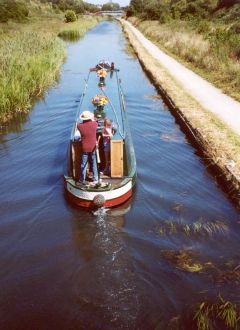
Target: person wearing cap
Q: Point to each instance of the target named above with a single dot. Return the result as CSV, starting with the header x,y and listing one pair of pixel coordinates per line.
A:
x,y
88,130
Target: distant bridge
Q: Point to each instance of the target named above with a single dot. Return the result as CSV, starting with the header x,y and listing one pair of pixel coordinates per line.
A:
x,y
115,13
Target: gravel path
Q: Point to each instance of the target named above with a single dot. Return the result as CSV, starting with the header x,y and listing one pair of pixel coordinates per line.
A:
x,y
211,98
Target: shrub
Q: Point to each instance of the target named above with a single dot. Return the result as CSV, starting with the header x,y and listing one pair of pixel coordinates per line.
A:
x,y
70,16
130,11
235,28
13,9
203,27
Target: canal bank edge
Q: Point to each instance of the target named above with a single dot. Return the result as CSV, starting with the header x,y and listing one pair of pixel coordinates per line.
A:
x,y
218,145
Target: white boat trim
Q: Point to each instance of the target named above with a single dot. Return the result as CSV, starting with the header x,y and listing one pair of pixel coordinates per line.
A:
x,y
108,195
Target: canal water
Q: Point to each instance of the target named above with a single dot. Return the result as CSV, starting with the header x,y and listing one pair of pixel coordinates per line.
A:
x,y
148,264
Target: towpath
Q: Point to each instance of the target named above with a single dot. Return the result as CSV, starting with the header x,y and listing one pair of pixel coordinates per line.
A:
x,y
210,97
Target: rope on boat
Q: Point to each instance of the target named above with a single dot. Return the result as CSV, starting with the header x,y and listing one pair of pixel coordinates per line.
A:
x,y
114,111
81,100
120,96
122,134
84,92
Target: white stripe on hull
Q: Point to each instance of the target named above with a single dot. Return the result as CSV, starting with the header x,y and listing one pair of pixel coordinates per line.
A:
x,y
108,195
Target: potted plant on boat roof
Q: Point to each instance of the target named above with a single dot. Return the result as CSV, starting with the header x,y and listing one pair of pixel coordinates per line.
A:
x,y
99,101
101,74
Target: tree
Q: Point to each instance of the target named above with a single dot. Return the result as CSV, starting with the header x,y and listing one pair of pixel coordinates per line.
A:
x,y
13,9
110,6
228,3
70,16
130,11
76,5
90,7
137,5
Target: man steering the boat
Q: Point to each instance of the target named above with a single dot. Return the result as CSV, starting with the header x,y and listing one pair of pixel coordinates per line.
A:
x,y
88,130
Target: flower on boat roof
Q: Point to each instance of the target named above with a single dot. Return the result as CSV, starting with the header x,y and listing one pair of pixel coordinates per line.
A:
x,y
101,73
99,100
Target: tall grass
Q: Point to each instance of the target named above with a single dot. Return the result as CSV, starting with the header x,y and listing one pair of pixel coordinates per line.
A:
x,y
29,63
212,51
74,31
30,58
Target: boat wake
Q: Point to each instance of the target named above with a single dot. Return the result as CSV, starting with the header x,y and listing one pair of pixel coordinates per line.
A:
x,y
109,284
100,213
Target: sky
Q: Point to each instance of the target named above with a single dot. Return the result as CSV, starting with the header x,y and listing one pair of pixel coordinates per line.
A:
x,y
101,2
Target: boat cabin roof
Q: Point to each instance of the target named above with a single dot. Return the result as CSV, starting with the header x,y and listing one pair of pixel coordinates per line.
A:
x,y
114,109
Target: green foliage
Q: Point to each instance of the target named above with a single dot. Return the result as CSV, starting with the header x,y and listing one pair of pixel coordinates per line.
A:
x,y
227,3
73,32
203,27
70,34
70,16
110,6
90,7
130,11
13,10
76,5
154,10
203,34
163,10
137,5
29,62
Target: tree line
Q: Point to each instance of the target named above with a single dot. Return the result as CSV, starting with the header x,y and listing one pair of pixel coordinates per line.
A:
x,y
18,10
165,10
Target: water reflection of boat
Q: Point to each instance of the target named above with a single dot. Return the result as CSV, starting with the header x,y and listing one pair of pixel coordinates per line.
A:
x,y
116,187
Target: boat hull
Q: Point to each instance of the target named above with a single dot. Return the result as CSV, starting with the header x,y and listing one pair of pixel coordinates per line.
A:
x,y
85,198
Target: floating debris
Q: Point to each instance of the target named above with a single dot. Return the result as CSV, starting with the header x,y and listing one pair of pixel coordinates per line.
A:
x,y
171,137
177,207
152,97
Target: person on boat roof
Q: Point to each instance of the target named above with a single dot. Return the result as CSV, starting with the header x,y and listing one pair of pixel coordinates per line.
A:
x,y
88,129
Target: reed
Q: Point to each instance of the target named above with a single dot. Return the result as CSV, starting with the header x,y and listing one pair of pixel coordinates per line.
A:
x,y
74,31
30,59
196,228
202,317
219,315
29,63
70,35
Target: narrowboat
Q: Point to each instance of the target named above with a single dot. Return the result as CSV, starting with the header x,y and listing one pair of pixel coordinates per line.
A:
x,y
102,96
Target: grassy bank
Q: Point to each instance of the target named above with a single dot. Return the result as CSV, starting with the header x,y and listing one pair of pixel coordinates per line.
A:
x,y
75,30
30,58
211,50
29,64
220,147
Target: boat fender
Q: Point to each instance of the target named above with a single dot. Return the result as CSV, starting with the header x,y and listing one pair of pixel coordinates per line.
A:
x,y
114,128
77,135
98,200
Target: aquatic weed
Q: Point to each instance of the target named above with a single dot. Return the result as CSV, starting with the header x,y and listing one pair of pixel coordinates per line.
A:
x,y
212,316
169,227
227,312
202,317
183,260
